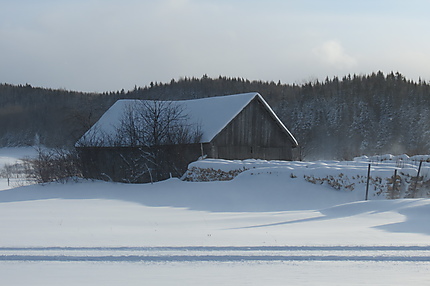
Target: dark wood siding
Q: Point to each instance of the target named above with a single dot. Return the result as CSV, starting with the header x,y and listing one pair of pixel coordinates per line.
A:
x,y
122,164
253,133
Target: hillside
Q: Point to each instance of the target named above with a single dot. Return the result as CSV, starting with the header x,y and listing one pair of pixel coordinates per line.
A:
x,y
264,227
339,118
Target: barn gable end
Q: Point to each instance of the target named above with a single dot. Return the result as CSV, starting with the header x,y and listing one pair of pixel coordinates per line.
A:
x,y
254,133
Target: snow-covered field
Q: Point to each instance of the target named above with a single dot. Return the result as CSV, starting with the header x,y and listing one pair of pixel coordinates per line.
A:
x,y
268,226
9,157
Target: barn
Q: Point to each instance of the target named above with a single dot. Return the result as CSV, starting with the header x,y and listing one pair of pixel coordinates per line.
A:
x,y
239,126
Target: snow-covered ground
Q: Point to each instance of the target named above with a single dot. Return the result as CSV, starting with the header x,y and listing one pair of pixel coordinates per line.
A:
x,y
267,226
9,157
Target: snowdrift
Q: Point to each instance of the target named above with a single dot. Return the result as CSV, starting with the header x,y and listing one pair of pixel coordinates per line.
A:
x,y
272,222
349,176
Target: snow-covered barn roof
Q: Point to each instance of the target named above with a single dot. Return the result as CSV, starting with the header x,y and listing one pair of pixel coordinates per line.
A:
x,y
212,114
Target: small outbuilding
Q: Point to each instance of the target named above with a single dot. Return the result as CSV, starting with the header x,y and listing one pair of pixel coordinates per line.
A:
x,y
240,126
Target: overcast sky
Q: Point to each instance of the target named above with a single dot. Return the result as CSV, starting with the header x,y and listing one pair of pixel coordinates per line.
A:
x,y
106,45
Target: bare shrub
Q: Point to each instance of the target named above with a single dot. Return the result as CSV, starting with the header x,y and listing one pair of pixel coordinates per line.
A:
x,y
53,165
146,145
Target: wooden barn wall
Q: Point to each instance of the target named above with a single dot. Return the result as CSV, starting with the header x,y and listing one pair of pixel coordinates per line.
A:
x,y
126,164
252,134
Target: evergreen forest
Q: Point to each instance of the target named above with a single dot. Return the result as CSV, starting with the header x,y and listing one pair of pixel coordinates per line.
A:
x,y
338,118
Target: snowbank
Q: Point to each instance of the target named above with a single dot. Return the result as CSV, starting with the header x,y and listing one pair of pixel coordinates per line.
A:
x,y
266,226
394,158
341,175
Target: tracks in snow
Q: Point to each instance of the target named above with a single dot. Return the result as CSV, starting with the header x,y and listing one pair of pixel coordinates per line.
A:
x,y
217,254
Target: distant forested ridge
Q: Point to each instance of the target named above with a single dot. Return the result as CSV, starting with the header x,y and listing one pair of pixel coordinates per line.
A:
x,y
53,117
337,118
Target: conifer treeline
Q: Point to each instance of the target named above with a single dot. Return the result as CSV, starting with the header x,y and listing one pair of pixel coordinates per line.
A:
x,y
56,117
360,114
336,118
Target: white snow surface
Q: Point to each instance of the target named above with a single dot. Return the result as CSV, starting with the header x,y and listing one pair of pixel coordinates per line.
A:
x,y
211,114
264,227
10,156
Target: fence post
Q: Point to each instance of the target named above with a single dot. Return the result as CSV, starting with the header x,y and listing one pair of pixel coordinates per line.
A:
x,y
394,184
416,181
367,185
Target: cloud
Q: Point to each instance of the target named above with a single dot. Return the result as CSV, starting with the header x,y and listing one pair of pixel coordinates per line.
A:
x,y
332,53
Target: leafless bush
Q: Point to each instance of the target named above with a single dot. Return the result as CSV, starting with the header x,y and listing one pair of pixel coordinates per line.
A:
x,y
53,165
146,144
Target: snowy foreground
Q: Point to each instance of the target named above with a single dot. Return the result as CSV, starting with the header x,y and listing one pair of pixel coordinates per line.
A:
x,y
268,226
